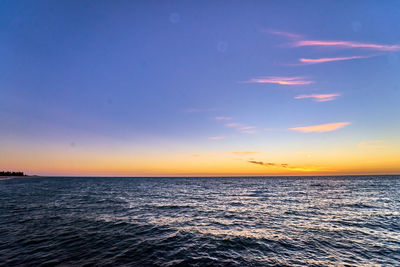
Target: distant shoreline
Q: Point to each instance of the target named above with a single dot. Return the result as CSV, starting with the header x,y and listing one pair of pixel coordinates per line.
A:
x,y
208,176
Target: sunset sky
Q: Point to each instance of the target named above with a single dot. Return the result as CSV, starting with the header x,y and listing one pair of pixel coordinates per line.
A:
x,y
164,88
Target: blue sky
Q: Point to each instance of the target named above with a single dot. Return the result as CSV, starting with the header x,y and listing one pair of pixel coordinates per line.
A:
x,y
154,75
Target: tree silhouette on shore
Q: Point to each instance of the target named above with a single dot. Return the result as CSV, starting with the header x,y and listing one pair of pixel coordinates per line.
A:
x,y
8,173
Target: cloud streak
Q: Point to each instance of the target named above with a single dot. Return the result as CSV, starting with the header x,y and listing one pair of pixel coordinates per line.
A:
x,y
281,80
216,137
346,44
199,110
237,126
267,164
321,128
284,166
244,153
224,153
308,61
222,118
319,97
371,144
242,128
285,34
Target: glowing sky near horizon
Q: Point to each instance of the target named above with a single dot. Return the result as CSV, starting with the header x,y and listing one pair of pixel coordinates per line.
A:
x,y
200,88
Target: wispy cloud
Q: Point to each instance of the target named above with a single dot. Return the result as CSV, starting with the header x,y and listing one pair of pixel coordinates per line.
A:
x,y
244,153
371,144
232,125
281,80
328,59
321,128
222,118
223,153
267,163
285,34
298,40
347,44
216,137
242,128
237,126
285,166
198,110
319,97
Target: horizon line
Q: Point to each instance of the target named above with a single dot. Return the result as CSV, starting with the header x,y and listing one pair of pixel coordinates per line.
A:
x,y
199,176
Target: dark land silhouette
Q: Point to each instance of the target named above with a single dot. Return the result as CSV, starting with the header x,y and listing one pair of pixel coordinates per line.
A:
x,y
8,173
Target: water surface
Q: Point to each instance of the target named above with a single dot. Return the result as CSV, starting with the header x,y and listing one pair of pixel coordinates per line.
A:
x,y
294,221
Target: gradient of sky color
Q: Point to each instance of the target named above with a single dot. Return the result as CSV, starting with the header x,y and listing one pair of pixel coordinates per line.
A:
x,y
200,88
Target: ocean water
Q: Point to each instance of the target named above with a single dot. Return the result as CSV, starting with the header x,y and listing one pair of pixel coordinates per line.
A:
x,y
269,221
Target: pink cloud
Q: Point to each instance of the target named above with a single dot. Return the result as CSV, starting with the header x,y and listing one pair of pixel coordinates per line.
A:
x,y
242,128
321,128
233,125
323,60
319,97
222,118
198,110
347,44
216,137
344,44
281,80
371,144
285,34
244,153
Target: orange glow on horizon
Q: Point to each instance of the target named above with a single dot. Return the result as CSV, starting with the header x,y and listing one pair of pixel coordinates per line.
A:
x,y
234,163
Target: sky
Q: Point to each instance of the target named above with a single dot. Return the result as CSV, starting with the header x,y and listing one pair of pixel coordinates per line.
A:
x,y
193,88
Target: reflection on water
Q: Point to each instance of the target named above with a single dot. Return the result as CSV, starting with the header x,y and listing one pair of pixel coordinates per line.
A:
x,y
200,221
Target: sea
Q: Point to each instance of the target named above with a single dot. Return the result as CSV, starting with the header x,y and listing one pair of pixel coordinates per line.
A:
x,y
200,221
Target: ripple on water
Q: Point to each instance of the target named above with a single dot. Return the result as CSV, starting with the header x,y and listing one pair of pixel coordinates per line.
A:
x,y
327,221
